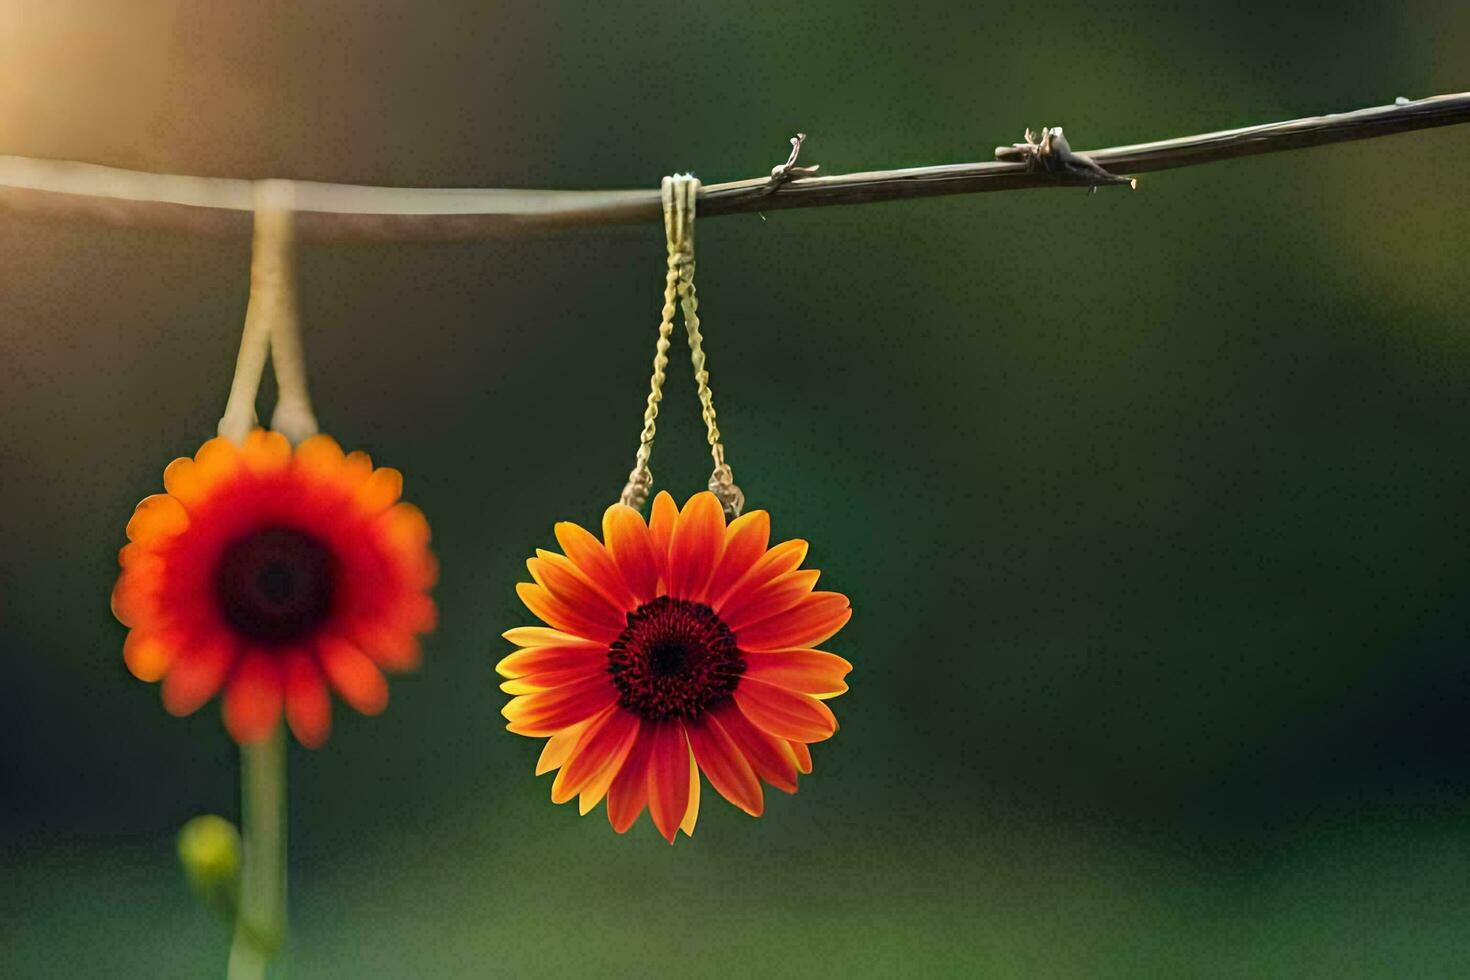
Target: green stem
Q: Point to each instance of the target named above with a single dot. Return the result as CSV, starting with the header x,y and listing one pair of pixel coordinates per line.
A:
x,y
261,923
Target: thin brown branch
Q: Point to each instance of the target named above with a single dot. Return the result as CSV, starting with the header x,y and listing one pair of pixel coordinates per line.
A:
x,y
349,212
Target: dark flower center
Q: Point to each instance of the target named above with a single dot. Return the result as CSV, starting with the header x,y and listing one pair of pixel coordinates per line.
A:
x,y
676,658
275,586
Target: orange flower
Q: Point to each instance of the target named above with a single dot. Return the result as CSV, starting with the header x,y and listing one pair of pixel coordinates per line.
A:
x,y
673,647
272,574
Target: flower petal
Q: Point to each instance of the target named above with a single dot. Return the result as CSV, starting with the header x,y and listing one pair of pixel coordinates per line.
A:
x,y
803,756
186,481
391,648
695,546
308,706
691,815
780,560
629,791
558,576
668,777
548,680
541,636
319,455
745,541
598,756
722,763
149,655
558,748
536,660
783,713
548,712
380,490
816,618
156,519
265,451
661,519
591,559
353,675
253,698
196,676
770,757
807,671
632,550
776,596
215,460
559,615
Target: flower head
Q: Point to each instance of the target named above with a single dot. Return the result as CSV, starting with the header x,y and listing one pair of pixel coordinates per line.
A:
x,y
673,648
272,574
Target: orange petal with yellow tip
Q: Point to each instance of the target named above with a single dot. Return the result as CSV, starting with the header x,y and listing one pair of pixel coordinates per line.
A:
x,y
157,518
558,748
536,660
548,712
253,698
592,559
596,759
805,671
380,490
631,548
691,815
694,546
803,756
196,676
814,619
560,616
780,560
745,541
543,636
308,706
265,451
629,791
560,577
668,777
776,596
148,655
551,679
722,763
661,519
784,714
353,675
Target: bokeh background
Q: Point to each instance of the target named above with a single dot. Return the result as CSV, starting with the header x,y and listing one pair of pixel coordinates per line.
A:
x,y
1151,505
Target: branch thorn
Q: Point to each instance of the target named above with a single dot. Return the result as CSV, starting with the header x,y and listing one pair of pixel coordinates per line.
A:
x,y
789,171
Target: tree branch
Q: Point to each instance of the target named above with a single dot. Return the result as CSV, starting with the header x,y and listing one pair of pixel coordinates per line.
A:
x,y
349,212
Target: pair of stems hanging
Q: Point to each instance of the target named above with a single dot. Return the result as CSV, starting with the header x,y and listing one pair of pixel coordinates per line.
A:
x,y
680,196
272,324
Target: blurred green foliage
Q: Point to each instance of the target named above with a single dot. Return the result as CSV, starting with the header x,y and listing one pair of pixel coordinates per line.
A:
x,y
1151,505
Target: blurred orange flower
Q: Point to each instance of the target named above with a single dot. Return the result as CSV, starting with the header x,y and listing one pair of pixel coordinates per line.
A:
x,y
672,648
271,575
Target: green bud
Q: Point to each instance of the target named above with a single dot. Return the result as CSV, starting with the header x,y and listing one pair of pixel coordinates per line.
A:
x,y
209,850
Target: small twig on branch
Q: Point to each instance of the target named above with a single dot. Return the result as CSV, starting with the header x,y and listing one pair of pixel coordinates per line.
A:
x,y
348,212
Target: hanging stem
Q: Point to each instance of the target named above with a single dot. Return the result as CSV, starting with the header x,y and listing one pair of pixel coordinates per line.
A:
x,y
260,925
273,268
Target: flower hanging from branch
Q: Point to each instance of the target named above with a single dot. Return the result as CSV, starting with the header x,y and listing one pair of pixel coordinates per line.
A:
x,y
672,648
273,575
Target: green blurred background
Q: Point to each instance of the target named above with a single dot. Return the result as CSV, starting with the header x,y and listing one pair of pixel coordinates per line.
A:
x,y
1151,505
